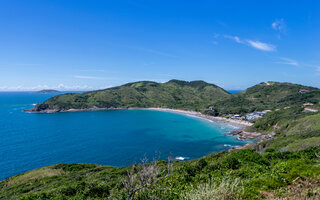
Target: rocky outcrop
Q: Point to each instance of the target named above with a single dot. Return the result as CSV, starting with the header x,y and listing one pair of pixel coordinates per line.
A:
x,y
243,135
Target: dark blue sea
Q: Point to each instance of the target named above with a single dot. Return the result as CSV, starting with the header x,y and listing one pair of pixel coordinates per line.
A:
x,y
234,91
119,138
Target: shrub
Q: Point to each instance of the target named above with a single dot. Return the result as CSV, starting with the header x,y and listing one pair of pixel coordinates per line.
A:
x,y
225,189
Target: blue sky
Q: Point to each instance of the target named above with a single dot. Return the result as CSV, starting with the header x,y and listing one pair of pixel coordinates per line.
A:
x,y
85,45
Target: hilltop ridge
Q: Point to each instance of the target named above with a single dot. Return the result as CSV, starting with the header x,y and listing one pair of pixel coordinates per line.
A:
x,y
189,95
267,96
194,95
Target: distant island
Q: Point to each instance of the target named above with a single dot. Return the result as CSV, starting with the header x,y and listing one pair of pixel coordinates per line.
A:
x,y
283,163
47,91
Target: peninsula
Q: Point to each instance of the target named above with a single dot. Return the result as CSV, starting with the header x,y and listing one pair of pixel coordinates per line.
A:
x,y
47,91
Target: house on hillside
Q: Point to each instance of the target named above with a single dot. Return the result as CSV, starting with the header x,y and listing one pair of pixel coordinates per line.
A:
x,y
310,110
236,117
303,91
266,111
307,104
211,108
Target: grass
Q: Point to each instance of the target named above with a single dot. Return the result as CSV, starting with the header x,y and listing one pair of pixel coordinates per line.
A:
x,y
216,190
303,144
35,174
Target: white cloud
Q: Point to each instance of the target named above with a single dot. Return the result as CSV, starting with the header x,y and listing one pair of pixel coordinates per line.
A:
x,y
318,71
215,36
60,86
235,38
92,70
156,52
254,44
288,61
158,80
105,87
166,75
261,46
86,77
214,42
279,25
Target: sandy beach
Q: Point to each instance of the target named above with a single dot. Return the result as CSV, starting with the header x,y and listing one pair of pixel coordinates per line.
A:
x,y
208,117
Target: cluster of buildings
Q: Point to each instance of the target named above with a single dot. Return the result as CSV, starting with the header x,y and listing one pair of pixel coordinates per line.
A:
x,y
259,114
236,116
249,116
256,114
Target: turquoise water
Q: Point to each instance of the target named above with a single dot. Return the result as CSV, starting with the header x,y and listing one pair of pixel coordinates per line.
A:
x,y
119,138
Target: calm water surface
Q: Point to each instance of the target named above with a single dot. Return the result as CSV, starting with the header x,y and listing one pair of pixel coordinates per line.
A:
x,y
29,141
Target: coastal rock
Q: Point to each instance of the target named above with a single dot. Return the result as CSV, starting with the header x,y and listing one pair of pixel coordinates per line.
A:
x,y
244,135
242,147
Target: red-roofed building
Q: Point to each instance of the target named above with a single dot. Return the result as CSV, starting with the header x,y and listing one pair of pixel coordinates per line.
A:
x,y
303,91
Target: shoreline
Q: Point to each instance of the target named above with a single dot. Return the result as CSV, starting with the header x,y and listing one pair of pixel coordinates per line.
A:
x,y
203,116
241,134
179,111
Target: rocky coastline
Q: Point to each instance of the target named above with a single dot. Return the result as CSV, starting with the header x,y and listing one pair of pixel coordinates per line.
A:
x,y
245,135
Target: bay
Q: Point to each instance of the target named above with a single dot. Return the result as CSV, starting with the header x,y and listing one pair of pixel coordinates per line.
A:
x,y
118,138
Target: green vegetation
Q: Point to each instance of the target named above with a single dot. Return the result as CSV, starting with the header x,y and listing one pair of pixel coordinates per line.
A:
x,y
295,129
269,95
244,174
286,166
193,95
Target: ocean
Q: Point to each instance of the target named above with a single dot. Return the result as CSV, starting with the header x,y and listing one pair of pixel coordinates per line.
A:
x,y
118,138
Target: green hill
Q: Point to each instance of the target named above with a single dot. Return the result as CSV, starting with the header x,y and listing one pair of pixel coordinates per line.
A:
x,y
194,95
268,95
295,129
173,94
